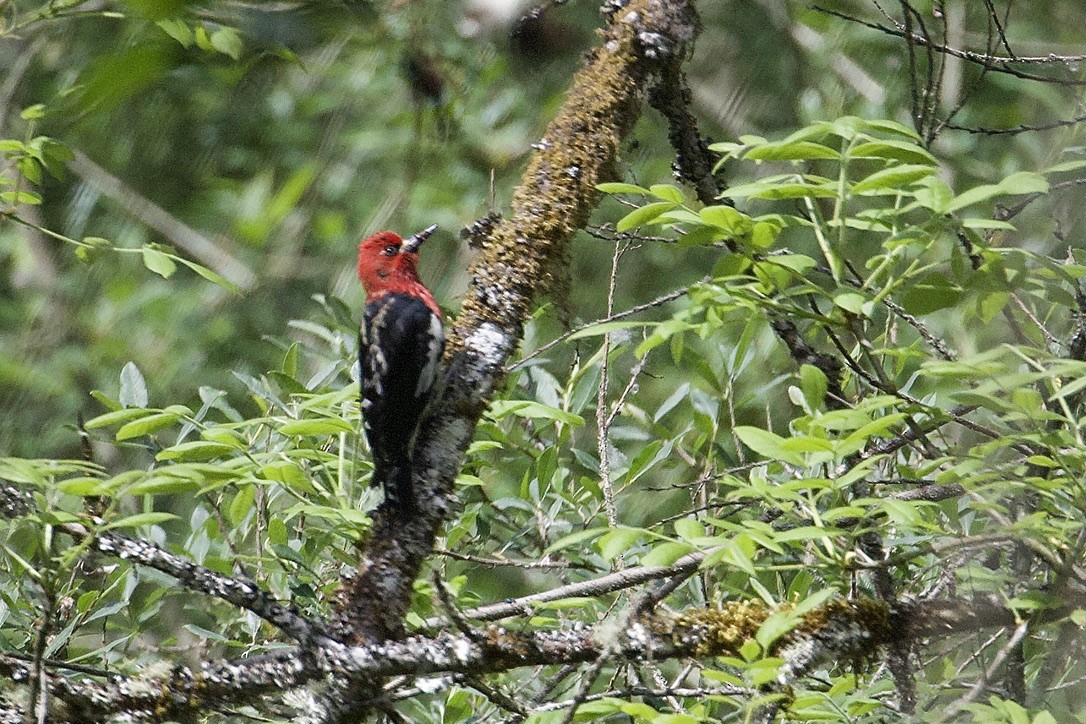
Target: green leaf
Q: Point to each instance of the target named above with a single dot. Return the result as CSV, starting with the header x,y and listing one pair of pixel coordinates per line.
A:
x,y
850,302
165,484
733,554
117,417
680,216
532,410
224,436
1024,182
973,196
574,538
196,450
226,41
767,444
700,234
133,521
241,504
1064,166
763,234
350,522
158,262
289,475
893,150
146,425
814,384
934,194
645,214
929,294
290,361
178,30
1069,389
689,528
782,190
893,178
31,169
750,650
666,553
987,224
893,127
33,113
806,444
286,553
210,275
776,625
797,151
55,150
667,192
798,263
85,486
814,600
617,541
315,426
203,41
21,197
727,218
133,386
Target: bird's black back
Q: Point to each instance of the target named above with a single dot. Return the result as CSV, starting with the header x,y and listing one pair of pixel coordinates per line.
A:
x,y
399,351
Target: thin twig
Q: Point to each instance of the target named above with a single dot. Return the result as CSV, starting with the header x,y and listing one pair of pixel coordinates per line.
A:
x,y
692,692
662,299
970,696
588,678
497,562
609,583
999,64
1023,128
603,422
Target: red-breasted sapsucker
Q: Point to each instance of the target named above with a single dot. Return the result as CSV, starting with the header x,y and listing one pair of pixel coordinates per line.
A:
x,y
399,353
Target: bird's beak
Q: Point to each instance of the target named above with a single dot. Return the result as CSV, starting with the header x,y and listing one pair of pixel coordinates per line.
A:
x,y
412,244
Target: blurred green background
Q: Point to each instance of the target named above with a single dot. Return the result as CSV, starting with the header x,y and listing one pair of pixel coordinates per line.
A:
x,y
264,139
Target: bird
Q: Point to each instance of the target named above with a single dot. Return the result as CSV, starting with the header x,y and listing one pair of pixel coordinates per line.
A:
x,y
400,343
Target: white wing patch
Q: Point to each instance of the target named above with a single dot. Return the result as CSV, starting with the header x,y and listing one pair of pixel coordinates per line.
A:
x,y
428,375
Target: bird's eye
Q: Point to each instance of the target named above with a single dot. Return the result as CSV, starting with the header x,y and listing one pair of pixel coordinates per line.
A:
x,y
390,251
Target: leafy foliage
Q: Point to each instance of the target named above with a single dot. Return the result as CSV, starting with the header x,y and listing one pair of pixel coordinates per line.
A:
x,y
873,385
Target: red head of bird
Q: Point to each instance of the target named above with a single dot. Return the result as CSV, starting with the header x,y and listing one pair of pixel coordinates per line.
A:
x,y
388,264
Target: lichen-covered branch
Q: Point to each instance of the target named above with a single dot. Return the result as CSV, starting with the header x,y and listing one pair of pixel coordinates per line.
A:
x,y
693,159
239,591
840,630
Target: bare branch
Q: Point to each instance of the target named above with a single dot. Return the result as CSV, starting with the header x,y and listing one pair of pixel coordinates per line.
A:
x,y
239,591
659,301
998,64
610,583
838,630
